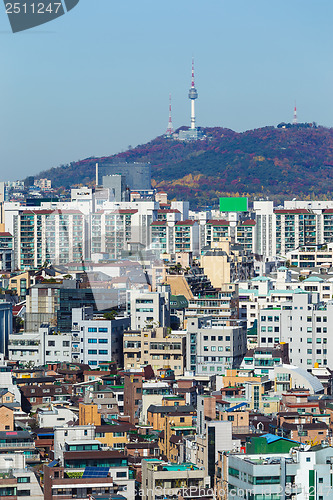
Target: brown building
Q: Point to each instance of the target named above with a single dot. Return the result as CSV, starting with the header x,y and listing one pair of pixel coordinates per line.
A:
x,y
133,394
6,418
88,414
37,393
155,347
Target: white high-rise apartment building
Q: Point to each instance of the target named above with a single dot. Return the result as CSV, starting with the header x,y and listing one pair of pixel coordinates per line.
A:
x,y
305,324
53,236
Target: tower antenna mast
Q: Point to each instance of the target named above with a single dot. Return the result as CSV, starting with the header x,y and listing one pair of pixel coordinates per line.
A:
x,y
192,95
170,130
295,115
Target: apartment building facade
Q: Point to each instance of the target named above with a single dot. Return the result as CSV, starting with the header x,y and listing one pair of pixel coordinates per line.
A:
x,y
157,347
304,324
213,346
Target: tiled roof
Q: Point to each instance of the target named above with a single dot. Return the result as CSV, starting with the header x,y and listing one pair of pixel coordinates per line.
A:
x,y
218,222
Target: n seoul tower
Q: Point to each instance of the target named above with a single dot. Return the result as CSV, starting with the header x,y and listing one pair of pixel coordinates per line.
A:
x,y
193,95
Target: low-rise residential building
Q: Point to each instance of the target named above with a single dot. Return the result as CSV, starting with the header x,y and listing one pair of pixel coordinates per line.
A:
x,y
157,347
148,309
212,346
301,473
96,341
159,476
40,348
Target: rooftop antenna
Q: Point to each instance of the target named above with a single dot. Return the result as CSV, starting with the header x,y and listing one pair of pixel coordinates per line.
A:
x,y
295,115
170,127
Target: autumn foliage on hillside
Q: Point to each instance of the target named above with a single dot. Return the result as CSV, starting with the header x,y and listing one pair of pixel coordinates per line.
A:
x,y
276,162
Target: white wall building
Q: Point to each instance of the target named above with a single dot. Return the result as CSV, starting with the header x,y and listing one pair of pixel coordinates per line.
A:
x,y
305,324
212,347
40,348
148,308
95,341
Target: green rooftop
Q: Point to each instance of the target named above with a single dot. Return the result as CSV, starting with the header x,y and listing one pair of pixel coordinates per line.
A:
x,y
181,467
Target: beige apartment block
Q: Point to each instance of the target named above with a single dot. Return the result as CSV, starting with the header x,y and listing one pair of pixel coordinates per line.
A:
x,y
157,347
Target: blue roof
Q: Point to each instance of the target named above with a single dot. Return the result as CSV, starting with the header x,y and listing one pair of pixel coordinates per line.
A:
x,y
90,472
237,406
53,463
271,438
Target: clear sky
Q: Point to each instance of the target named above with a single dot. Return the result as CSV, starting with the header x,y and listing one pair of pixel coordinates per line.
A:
x,y
97,79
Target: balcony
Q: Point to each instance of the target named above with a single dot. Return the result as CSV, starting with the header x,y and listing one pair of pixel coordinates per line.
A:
x,y
16,445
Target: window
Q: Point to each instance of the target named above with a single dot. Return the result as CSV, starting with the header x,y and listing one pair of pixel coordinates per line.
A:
x,y
263,329
23,479
90,329
51,343
92,341
92,351
220,338
102,341
103,351
213,348
103,330
220,348
205,348
205,337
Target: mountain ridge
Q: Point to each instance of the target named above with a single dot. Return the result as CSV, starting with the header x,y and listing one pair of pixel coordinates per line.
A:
x,y
268,161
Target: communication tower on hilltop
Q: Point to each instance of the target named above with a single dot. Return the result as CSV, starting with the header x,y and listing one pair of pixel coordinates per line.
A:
x,y
170,127
193,95
295,115
193,133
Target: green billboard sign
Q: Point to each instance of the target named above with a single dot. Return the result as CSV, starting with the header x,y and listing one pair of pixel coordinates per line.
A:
x,y
233,204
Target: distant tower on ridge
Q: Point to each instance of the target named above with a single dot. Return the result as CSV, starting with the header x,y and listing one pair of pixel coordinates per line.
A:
x,y
170,130
192,95
295,115
193,133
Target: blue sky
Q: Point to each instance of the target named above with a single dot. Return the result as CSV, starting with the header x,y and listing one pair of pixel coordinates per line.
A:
x,y
98,79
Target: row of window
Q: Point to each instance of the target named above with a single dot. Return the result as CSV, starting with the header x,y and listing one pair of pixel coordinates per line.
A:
x,y
213,348
100,341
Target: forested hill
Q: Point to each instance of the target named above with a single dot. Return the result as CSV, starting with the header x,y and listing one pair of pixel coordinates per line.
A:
x,y
275,162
